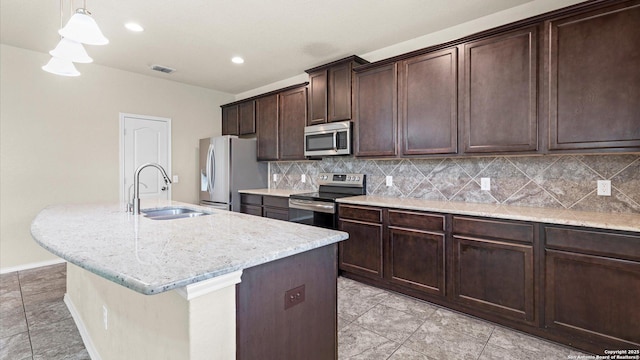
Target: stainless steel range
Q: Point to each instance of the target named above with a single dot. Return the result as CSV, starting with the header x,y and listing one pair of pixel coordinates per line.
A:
x,y
320,208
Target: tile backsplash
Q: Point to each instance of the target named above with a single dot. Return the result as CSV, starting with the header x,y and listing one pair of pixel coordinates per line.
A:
x,y
552,181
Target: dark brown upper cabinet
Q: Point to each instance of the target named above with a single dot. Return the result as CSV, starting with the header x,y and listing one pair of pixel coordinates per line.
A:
x,y
428,102
292,118
267,127
247,118
330,91
239,119
500,93
376,121
230,120
594,79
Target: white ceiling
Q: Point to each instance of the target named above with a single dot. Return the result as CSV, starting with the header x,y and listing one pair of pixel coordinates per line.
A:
x,y
278,38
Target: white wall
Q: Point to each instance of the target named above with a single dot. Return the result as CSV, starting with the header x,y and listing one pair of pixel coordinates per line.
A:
x,y
60,137
533,8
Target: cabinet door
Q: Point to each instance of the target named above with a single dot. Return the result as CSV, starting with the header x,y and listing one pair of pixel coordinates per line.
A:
x,y
428,98
500,87
416,260
317,98
376,119
293,115
230,120
494,276
275,213
362,252
251,209
247,118
594,79
339,92
593,297
267,127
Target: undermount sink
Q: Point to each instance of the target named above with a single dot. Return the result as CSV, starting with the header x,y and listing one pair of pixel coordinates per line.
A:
x,y
172,213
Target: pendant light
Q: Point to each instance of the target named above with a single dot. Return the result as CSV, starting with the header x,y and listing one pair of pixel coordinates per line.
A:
x,y
82,28
61,67
71,50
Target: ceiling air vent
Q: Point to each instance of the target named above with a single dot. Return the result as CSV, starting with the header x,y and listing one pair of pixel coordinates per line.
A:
x,y
164,69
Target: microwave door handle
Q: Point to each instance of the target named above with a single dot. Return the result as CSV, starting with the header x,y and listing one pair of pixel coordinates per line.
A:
x,y
335,141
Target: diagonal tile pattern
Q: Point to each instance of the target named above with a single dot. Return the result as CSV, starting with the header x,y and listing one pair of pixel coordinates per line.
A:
x,y
550,181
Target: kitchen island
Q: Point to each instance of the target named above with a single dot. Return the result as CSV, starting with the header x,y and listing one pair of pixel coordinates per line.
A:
x,y
206,274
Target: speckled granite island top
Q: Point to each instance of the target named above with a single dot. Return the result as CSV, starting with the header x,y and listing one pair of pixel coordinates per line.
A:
x,y
153,256
611,221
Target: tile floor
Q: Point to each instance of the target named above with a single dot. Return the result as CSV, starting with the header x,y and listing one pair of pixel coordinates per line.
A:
x,y
373,324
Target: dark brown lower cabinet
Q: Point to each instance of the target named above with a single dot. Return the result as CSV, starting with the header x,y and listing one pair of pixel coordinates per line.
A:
x,y
494,276
574,285
266,328
592,287
362,252
493,267
416,251
273,207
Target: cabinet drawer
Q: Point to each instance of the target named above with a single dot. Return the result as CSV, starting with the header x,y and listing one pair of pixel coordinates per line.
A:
x,y
594,242
360,213
251,199
416,220
276,201
516,231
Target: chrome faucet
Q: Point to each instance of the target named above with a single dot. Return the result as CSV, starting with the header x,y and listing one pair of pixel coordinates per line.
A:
x,y
135,208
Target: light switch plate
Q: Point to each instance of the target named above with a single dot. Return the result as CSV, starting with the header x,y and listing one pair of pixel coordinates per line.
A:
x,y
604,187
485,184
389,180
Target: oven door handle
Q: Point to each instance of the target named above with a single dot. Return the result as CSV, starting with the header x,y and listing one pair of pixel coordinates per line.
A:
x,y
323,207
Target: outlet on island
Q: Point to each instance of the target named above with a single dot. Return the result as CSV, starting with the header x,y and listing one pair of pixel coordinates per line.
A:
x,y
293,297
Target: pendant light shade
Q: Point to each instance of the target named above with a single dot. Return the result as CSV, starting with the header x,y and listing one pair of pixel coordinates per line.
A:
x,y
71,50
82,28
61,67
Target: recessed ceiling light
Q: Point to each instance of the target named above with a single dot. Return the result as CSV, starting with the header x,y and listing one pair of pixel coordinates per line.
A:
x,y
134,27
237,60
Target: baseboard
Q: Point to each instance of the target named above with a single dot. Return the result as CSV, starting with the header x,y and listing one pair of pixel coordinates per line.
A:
x,y
86,338
31,266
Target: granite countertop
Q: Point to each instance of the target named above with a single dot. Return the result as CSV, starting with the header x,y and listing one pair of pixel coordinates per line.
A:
x,y
273,192
153,256
610,221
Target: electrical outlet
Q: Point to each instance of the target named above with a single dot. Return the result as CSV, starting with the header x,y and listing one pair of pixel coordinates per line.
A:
x,y
485,184
175,179
294,297
303,178
389,180
275,177
604,187
105,317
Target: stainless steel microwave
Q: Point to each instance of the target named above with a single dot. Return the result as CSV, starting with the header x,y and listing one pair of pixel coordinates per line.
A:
x,y
328,139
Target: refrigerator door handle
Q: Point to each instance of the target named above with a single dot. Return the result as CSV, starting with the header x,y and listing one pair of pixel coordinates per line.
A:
x,y
212,164
208,168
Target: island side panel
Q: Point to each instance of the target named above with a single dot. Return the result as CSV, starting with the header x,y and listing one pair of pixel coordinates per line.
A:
x,y
306,330
164,326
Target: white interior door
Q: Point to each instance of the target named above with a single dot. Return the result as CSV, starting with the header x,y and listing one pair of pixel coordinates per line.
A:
x,y
145,139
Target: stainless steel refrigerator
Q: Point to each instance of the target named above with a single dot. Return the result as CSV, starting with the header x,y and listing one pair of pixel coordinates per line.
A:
x,y
228,164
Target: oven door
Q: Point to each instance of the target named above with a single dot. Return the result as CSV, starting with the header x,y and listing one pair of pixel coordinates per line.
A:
x,y
315,213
